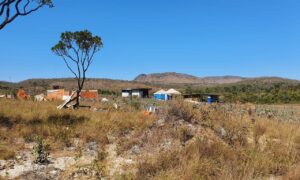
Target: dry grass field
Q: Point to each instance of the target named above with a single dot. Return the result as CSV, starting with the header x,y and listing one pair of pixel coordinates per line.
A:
x,y
181,141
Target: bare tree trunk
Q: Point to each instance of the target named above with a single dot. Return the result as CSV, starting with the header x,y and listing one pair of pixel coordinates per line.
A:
x,y
76,106
80,87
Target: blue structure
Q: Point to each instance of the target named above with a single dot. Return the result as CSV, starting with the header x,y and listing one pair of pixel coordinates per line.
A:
x,y
162,95
209,100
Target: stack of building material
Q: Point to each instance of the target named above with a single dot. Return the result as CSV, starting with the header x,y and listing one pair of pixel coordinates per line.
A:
x,y
22,95
69,102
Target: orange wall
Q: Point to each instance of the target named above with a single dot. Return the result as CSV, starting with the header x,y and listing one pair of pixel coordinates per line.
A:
x,y
59,93
56,94
92,94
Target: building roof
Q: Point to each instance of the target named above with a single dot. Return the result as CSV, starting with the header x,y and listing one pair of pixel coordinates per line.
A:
x,y
132,89
173,91
161,92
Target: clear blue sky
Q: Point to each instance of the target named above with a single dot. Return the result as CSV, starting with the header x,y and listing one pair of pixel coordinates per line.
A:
x,y
200,37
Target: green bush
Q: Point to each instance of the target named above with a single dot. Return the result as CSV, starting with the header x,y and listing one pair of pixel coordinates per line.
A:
x,y
41,151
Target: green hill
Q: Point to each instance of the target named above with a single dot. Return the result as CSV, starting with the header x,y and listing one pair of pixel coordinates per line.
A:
x,y
256,90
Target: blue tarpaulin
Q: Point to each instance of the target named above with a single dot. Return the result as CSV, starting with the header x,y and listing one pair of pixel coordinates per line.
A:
x,y
163,97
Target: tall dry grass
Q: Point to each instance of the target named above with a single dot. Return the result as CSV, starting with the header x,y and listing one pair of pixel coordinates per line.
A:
x,y
253,147
27,119
250,145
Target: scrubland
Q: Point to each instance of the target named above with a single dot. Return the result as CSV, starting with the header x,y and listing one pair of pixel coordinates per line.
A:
x,y
180,141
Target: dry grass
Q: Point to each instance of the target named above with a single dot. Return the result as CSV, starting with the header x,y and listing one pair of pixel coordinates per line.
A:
x,y
6,152
250,149
252,145
26,119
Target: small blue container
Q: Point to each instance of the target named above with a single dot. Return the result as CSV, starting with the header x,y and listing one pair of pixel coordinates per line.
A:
x,y
209,100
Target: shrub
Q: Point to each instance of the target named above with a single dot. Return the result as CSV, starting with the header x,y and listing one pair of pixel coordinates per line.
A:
x,y
5,121
65,136
180,110
236,132
41,151
185,134
135,104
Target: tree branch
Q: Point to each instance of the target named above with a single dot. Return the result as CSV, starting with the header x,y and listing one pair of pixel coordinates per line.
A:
x,y
91,58
5,6
69,67
28,2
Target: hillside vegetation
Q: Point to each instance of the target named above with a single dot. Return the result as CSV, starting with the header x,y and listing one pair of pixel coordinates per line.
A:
x,y
41,85
262,91
265,90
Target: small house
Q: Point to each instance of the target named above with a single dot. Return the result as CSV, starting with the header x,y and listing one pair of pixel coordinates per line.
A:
x,y
138,92
173,93
166,95
162,95
126,93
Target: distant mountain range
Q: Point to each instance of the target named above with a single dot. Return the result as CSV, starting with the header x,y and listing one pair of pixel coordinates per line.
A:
x,y
179,78
154,81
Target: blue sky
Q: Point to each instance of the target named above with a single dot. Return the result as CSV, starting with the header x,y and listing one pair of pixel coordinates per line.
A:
x,y
248,38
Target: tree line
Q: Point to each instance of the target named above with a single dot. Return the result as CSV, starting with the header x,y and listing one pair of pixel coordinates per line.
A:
x,y
271,93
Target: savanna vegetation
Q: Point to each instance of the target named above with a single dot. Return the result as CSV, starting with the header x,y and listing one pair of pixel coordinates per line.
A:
x,y
180,141
277,92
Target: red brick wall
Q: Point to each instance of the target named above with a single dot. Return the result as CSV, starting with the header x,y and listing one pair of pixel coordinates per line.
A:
x,y
89,94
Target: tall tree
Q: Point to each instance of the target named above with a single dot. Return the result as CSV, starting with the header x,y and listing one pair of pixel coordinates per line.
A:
x,y
77,49
11,9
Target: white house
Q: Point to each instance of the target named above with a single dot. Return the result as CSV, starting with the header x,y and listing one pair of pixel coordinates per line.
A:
x,y
126,93
138,92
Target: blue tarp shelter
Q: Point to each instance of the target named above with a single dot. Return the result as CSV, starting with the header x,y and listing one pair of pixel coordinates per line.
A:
x,y
162,95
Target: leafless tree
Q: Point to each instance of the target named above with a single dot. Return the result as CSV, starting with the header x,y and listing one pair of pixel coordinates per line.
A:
x,y
11,9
